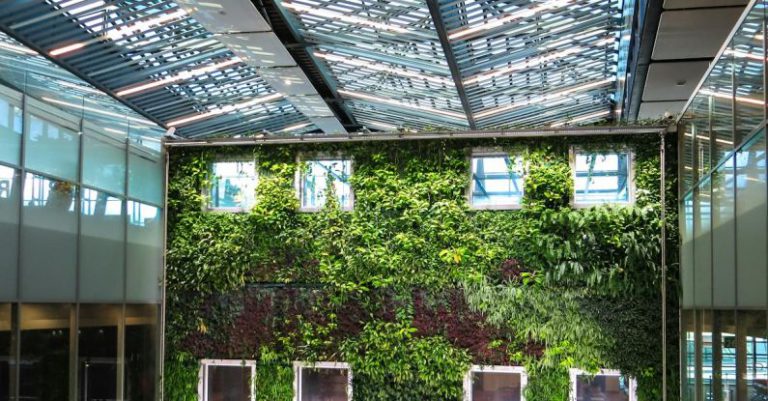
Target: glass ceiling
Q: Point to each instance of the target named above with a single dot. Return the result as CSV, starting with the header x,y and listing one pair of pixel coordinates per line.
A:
x,y
417,64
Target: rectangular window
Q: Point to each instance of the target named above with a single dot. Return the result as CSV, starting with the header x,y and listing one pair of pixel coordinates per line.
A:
x,y
233,185
601,178
606,385
314,183
497,181
322,381
230,380
490,383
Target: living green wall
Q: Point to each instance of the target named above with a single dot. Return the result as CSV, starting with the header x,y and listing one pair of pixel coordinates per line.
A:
x,y
412,286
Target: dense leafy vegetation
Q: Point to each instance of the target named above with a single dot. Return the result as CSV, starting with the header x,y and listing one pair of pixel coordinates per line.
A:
x,y
413,286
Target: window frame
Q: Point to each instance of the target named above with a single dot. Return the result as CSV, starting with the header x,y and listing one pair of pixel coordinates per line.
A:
x,y
299,178
494,152
299,366
202,386
495,369
631,189
574,373
207,191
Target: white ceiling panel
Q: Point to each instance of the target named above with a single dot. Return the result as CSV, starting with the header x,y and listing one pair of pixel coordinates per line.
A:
x,y
225,16
259,49
680,4
288,81
673,80
311,106
654,110
329,125
687,34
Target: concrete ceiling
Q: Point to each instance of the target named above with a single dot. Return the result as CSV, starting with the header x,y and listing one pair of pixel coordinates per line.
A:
x,y
688,37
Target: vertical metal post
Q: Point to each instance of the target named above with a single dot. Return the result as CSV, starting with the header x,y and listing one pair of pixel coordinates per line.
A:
x,y
663,183
161,345
16,395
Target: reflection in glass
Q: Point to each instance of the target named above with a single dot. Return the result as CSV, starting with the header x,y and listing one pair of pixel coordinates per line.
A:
x,y
44,364
103,163
9,231
144,252
314,183
706,363
723,233
324,384
686,251
141,352
496,181
719,360
228,383
703,245
602,178
751,223
51,148
146,173
602,387
492,386
10,131
749,66
719,85
686,158
97,360
102,247
688,355
233,185
5,352
48,240
753,343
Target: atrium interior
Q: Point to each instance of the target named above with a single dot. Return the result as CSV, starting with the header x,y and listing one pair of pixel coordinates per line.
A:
x,y
383,200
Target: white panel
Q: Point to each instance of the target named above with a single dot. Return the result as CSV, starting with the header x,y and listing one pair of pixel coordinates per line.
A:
x,y
693,33
678,4
311,106
653,110
329,125
259,49
222,16
288,81
673,81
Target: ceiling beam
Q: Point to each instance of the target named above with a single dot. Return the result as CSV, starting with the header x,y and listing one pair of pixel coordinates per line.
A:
x,y
434,10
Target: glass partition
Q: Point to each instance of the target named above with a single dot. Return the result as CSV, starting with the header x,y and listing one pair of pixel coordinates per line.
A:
x,y
9,231
44,342
10,126
102,247
141,352
97,359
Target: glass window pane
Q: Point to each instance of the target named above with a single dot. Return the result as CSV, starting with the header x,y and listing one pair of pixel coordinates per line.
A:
x,y
51,148
702,246
496,181
602,387
719,355
102,247
97,361
141,351
9,231
324,384
103,163
145,252
686,251
749,64
688,356
5,352
314,183
44,367
723,233
752,338
751,223
719,87
228,383
146,173
10,129
492,386
602,178
48,240
233,185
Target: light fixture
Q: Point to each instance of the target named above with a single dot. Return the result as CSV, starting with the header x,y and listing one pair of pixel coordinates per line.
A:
x,y
495,23
179,77
582,118
380,99
544,98
294,127
382,68
321,12
225,109
521,65
68,48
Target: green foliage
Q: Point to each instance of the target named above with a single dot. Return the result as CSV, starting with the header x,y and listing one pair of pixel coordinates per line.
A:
x,y
568,287
390,364
180,377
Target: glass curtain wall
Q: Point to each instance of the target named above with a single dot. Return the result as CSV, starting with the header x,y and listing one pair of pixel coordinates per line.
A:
x,y
81,238
724,224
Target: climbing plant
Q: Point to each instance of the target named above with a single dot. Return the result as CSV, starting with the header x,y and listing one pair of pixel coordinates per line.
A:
x,y
413,286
